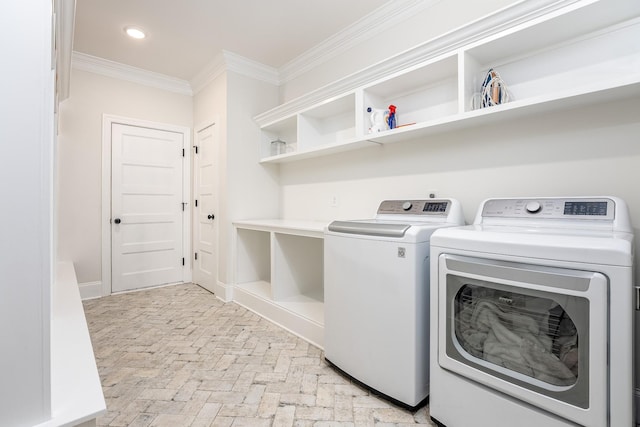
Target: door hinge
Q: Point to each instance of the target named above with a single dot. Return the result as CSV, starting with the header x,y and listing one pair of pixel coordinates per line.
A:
x,y
196,147
196,203
183,152
182,261
196,255
637,298
183,205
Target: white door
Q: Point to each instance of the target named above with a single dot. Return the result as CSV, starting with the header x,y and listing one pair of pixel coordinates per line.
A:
x,y
206,203
146,207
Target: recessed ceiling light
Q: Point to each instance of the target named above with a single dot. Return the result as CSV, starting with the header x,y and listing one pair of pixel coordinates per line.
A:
x,y
135,32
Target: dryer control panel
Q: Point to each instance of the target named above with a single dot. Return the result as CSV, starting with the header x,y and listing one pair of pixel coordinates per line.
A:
x,y
551,208
439,207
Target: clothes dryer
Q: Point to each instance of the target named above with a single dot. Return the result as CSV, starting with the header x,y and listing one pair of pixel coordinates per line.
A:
x,y
532,315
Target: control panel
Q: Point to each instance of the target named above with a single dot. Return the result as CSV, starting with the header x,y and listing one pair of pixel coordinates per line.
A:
x,y
551,208
438,207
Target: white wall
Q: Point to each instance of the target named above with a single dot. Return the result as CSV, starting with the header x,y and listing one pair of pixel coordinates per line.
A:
x,y
245,188
587,151
440,17
26,177
253,189
80,156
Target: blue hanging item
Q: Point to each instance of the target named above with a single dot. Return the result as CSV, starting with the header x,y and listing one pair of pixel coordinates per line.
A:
x,y
494,90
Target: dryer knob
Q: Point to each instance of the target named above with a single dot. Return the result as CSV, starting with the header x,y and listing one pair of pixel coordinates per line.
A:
x,y
407,205
533,207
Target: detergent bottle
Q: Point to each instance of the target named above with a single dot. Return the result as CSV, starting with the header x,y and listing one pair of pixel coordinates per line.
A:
x,y
378,118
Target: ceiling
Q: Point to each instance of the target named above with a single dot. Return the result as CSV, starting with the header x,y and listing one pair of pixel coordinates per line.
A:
x,y
183,36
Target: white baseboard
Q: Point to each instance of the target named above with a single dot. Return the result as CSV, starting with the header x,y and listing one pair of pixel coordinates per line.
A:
x,y
223,291
90,290
305,328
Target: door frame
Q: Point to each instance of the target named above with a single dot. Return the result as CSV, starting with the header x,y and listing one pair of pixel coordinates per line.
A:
x,y
107,121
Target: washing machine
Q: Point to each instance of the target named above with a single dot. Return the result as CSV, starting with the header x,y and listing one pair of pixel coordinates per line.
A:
x,y
376,296
532,315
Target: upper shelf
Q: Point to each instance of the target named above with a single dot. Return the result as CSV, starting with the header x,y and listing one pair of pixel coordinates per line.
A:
x,y
584,53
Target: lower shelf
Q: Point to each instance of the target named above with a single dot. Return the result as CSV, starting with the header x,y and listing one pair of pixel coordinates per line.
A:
x,y
302,315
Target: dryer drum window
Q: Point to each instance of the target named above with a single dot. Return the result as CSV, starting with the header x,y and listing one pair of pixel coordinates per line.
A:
x,y
531,338
530,335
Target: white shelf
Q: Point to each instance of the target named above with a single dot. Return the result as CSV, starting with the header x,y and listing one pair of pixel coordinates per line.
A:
x,y
312,308
327,123
579,65
76,392
297,227
260,289
421,94
279,273
285,130
583,53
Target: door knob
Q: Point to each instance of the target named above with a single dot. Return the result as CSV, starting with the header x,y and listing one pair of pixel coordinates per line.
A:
x,y
210,216
117,221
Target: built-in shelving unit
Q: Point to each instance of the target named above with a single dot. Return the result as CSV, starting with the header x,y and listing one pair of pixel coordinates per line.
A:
x,y
582,53
279,273
553,55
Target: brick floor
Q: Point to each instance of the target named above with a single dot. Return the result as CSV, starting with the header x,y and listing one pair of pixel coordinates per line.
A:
x,y
178,356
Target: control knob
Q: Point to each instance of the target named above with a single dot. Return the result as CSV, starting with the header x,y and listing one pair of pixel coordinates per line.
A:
x,y
533,207
407,205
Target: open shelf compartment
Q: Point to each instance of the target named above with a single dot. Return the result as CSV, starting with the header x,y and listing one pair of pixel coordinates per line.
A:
x,y
557,59
420,94
298,274
254,262
327,123
279,138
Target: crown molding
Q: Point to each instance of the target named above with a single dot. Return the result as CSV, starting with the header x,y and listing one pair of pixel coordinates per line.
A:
x,y
93,64
386,16
381,19
523,12
210,72
229,61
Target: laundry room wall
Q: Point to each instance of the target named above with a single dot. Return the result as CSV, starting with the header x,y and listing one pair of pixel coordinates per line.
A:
x,y
586,151
80,157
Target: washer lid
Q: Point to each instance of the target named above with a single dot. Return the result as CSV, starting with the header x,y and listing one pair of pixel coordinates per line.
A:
x,y
372,228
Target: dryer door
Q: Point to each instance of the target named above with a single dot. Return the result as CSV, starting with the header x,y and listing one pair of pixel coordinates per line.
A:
x,y
536,333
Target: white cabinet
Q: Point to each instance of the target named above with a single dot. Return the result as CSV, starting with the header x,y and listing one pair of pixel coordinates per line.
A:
x,y
584,52
279,273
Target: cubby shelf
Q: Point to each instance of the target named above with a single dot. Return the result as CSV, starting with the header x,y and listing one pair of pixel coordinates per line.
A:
x,y
584,53
279,273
